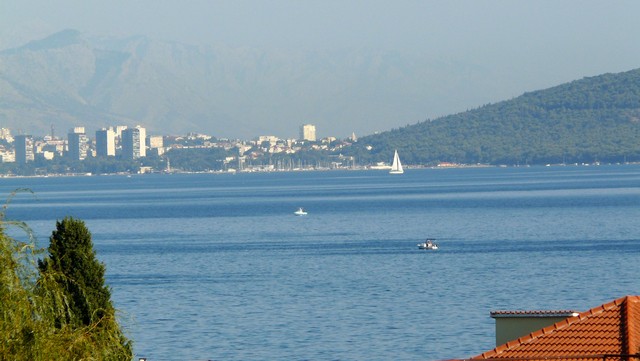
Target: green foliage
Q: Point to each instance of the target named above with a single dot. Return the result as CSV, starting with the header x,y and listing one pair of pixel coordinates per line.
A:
x,y
63,165
38,319
71,255
197,159
593,119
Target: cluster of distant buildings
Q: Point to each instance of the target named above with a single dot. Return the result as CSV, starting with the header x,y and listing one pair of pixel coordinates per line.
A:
x,y
126,142
132,142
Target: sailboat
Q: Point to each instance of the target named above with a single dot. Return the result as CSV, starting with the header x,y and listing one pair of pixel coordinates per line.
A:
x,y
396,167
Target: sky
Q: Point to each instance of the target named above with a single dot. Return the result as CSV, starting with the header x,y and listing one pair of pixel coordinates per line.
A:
x,y
486,29
542,43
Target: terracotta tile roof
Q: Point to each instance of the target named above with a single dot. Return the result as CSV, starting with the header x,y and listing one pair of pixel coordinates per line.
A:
x,y
612,328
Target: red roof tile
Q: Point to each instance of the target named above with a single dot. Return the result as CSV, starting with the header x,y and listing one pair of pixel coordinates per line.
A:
x,y
612,328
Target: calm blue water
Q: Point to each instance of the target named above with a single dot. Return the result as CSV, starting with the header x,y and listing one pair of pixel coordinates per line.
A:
x,y
217,267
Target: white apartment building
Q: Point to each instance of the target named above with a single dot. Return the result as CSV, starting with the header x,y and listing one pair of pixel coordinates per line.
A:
x,y
134,143
308,132
105,142
267,138
5,134
23,149
156,144
156,141
78,144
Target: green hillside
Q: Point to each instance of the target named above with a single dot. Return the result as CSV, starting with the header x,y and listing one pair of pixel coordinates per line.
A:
x,y
588,120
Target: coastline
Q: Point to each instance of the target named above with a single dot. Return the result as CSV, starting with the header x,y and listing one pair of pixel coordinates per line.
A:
x,y
375,168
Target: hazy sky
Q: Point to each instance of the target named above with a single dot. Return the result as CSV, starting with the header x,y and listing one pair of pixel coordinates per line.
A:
x,y
543,43
438,25
597,36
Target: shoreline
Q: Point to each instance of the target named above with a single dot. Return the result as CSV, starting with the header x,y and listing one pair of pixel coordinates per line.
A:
x,y
370,168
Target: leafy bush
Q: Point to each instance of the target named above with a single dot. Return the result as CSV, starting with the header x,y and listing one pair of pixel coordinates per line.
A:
x,y
39,314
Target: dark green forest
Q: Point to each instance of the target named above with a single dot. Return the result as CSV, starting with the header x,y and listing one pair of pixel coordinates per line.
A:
x,y
595,119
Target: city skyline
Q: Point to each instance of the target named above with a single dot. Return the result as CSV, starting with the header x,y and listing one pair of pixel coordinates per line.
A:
x,y
124,141
305,132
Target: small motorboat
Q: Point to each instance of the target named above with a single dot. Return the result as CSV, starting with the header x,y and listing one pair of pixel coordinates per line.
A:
x,y
429,244
300,212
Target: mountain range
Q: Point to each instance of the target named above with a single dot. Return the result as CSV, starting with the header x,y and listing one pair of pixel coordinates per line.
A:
x,y
69,79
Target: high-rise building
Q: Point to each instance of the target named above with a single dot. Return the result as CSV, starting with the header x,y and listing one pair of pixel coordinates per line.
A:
x,y
23,148
78,144
79,130
308,132
5,134
105,143
118,129
156,141
133,143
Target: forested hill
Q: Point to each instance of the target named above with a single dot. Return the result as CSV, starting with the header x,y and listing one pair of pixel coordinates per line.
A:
x,y
588,120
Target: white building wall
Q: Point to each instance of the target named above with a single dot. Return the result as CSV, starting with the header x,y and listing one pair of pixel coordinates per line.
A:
x,y
308,132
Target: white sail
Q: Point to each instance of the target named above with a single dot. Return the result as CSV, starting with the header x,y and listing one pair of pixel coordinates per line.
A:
x,y
396,167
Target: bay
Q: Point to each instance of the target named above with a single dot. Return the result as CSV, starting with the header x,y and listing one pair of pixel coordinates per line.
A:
x,y
211,266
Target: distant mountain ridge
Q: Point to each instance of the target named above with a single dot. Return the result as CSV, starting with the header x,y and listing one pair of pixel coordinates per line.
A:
x,y
68,79
595,119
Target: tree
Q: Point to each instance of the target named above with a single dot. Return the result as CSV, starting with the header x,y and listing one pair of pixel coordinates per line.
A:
x,y
73,266
71,254
34,303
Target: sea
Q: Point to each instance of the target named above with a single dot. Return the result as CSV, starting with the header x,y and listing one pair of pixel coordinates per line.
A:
x,y
217,266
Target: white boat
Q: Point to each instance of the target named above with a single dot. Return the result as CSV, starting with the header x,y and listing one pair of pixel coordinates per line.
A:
x,y
428,244
396,166
300,212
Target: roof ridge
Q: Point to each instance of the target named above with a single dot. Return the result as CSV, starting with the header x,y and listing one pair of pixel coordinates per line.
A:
x,y
531,312
631,332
